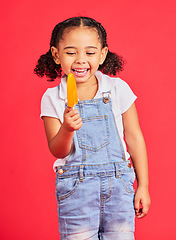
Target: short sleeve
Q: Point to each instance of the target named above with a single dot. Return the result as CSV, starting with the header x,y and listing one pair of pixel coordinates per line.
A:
x,y
47,105
126,96
52,105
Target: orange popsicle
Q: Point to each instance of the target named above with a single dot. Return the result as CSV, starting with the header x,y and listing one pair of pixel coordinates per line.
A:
x,y
72,96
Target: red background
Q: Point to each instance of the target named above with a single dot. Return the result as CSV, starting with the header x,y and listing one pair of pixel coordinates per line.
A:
x,y
142,31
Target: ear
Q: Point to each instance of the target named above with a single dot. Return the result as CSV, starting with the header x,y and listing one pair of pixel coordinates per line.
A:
x,y
104,52
55,54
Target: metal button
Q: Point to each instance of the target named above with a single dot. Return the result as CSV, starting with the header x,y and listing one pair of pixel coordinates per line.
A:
x,y
105,100
60,171
129,165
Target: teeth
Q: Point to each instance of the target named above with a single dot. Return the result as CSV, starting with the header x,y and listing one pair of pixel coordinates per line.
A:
x,y
80,71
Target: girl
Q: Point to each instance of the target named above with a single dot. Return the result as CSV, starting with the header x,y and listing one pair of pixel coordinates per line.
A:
x,y
94,176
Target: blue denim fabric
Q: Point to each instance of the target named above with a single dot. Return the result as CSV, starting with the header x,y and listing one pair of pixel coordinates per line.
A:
x,y
94,189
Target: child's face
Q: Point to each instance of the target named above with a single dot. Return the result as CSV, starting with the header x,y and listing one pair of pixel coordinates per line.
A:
x,y
80,52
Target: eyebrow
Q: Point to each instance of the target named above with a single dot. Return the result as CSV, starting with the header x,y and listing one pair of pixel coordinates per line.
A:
x,y
71,47
92,47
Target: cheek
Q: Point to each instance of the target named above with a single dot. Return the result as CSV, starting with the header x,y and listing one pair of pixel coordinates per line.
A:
x,y
65,63
65,68
95,62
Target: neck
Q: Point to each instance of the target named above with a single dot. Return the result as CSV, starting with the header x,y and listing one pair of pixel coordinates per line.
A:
x,y
87,90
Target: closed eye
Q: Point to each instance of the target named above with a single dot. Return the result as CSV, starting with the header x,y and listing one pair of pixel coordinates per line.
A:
x,y
70,53
90,53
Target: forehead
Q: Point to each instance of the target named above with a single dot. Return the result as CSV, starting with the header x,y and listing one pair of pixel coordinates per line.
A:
x,y
80,36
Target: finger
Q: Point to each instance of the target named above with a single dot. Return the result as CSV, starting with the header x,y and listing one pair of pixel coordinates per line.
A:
x,y
68,109
79,125
73,113
136,205
143,211
77,120
141,214
75,117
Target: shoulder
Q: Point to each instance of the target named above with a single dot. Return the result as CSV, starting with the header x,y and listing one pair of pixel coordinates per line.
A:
x,y
121,87
59,92
109,83
53,95
122,95
119,84
51,92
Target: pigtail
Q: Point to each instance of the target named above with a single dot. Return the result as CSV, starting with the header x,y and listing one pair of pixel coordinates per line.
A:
x,y
113,64
47,66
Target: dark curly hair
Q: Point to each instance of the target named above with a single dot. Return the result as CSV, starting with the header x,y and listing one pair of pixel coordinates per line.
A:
x,y
47,66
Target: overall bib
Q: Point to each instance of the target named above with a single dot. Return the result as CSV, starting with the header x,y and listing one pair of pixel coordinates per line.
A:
x,y
94,189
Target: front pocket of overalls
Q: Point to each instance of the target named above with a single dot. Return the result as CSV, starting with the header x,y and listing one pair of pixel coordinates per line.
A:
x,y
65,187
94,133
127,177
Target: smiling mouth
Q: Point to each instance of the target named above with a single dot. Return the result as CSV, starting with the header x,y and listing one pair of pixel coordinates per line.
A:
x,y
80,71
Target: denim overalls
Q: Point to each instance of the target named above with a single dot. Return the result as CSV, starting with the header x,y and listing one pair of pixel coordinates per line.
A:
x,y
94,189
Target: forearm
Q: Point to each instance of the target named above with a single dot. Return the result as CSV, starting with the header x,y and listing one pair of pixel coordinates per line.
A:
x,y
137,149
60,135
60,145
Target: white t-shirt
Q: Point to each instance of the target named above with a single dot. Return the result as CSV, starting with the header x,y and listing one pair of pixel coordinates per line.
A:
x,y
122,97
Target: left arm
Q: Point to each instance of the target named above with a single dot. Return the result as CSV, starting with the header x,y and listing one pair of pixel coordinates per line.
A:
x,y
137,149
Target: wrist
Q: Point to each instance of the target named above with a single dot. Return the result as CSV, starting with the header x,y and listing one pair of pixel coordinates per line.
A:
x,y
143,186
142,181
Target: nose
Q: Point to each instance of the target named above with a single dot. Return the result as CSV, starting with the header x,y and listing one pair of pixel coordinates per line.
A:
x,y
80,59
